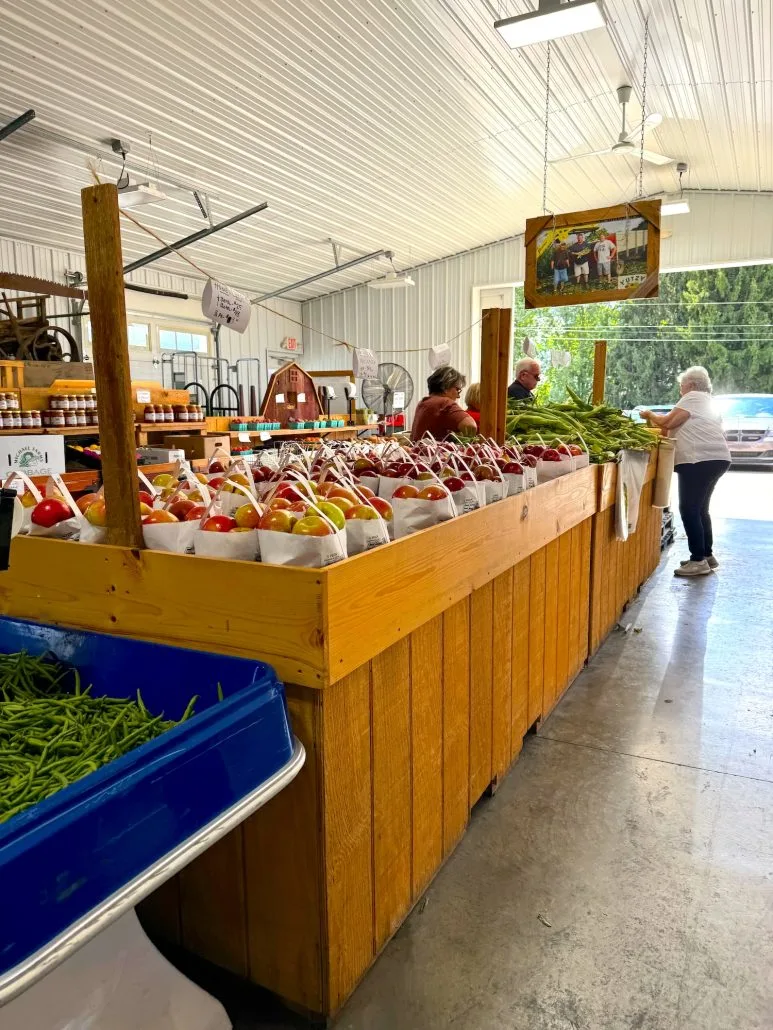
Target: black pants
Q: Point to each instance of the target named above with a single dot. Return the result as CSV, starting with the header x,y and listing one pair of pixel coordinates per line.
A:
x,y
696,485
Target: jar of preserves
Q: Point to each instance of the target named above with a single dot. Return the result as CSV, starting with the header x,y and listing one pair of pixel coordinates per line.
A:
x,y
6,419
81,418
56,418
26,420
80,402
149,414
37,419
71,418
12,401
16,416
94,418
91,401
180,412
3,402
91,417
168,412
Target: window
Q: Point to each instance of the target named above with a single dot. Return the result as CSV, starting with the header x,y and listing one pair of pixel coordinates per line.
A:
x,y
184,339
139,334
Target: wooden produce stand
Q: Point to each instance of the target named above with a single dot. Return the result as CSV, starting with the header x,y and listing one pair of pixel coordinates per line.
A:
x,y
413,672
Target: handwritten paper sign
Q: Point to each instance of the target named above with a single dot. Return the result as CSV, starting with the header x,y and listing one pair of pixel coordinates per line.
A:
x,y
225,306
364,363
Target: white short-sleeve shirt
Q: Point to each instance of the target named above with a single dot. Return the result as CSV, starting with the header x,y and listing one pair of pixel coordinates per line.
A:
x,y
700,438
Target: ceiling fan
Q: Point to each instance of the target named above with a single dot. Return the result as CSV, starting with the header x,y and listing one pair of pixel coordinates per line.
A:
x,y
629,141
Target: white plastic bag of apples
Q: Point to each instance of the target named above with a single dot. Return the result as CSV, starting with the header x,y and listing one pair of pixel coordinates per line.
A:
x,y
308,551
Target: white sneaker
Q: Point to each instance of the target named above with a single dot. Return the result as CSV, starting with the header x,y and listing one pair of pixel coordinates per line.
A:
x,y
712,561
693,568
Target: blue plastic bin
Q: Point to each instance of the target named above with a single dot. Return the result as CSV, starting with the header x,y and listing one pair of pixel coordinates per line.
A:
x,y
66,855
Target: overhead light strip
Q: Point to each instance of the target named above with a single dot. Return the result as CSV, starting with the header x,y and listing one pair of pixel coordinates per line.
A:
x,y
553,19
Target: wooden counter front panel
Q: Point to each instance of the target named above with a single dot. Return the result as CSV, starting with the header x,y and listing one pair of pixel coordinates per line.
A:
x,y
620,567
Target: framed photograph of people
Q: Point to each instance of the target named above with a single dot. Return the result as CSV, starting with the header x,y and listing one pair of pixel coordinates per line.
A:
x,y
611,253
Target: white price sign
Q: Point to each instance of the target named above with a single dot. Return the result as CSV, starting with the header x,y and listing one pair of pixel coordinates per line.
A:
x,y
244,437
143,396
398,400
265,436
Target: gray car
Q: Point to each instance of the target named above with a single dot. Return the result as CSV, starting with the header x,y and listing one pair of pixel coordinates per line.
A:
x,y
747,419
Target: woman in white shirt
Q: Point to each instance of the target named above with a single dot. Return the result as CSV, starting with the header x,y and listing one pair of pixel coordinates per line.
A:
x,y
701,458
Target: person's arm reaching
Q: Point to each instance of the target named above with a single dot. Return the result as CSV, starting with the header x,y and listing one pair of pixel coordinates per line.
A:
x,y
671,420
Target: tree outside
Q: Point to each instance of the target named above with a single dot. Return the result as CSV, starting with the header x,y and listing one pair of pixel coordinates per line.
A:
x,y
721,318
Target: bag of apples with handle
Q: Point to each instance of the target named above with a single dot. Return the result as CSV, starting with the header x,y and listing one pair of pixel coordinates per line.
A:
x,y
28,495
171,527
368,519
466,492
231,497
488,472
57,515
231,534
421,505
305,532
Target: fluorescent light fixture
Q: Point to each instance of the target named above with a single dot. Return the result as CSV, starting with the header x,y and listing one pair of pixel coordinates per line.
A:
x,y
677,206
139,194
552,20
391,281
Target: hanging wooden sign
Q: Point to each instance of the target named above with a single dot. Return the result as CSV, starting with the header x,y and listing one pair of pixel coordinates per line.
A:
x,y
610,253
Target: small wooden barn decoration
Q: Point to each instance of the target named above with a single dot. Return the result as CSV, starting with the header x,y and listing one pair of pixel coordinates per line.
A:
x,y
291,395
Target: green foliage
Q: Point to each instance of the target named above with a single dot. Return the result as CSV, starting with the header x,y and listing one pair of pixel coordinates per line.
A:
x,y
650,342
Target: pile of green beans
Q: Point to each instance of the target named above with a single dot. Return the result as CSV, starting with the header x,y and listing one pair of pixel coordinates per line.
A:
x,y
52,732
604,430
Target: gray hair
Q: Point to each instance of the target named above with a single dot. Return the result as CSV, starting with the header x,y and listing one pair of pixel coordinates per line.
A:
x,y
525,365
445,378
695,378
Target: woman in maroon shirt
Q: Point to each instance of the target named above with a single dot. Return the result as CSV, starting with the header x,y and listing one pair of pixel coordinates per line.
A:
x,y
440,412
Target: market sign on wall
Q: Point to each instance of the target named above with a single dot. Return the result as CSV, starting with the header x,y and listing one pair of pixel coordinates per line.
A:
x,y
610,253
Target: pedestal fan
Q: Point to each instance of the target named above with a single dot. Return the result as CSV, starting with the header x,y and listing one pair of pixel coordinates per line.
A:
x,y
388,394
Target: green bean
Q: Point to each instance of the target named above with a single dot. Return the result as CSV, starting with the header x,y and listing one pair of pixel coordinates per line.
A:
x,y
53,732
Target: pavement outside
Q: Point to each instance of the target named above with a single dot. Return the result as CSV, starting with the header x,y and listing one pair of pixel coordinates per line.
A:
x,y
622,876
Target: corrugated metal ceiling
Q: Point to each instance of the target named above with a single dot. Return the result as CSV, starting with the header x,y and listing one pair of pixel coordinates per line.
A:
x,y
406,125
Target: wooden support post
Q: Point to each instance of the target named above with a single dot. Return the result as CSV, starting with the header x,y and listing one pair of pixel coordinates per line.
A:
x,y
599,370
110,354
494,371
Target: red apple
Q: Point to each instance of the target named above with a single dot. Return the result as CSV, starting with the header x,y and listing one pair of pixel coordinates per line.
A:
x,y
467,476
215,467
180,508
364,491
312,525
383,507
453,483
219,524
198,511
278,503
551,454
49,512
433,492
513,468
530,460
406,490
216,482
326,488
483,472
279,520
145,498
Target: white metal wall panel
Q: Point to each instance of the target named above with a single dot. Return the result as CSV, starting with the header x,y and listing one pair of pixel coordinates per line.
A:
x,y
720,229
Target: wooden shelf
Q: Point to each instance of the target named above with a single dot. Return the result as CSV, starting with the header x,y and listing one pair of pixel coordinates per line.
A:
x,y
326,431
166,427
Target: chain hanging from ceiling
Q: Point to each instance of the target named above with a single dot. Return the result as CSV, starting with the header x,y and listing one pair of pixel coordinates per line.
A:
x,y
643,107
545,151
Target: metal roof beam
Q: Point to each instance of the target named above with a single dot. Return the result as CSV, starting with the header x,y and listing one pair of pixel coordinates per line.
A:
x,y
321,275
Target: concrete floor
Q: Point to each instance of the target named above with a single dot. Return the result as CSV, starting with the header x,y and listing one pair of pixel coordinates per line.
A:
x,y
622,877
